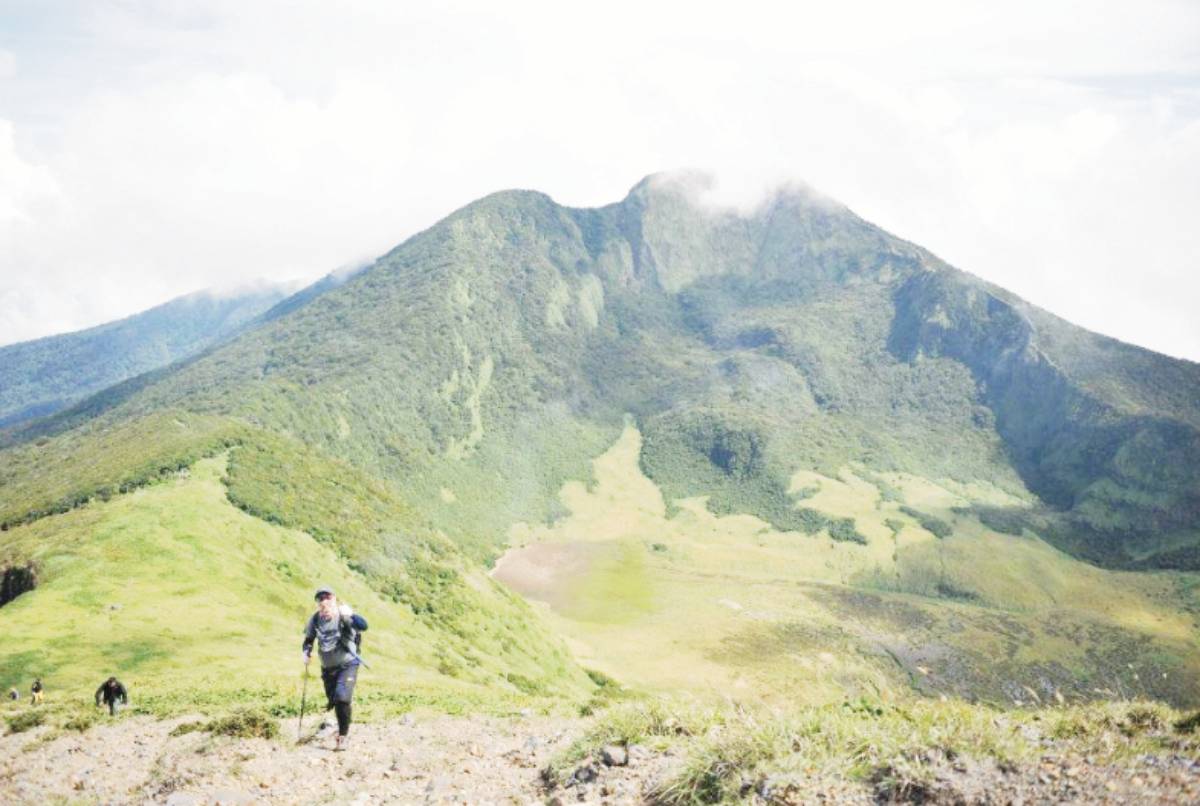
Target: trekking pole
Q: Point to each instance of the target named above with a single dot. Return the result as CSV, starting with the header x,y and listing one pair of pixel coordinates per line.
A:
x,y
303,699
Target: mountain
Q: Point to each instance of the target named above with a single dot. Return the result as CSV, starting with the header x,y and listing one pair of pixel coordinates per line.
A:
x,y
46,375
711,448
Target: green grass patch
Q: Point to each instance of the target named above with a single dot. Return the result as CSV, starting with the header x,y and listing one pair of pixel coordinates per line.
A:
x,y
25,720
889,748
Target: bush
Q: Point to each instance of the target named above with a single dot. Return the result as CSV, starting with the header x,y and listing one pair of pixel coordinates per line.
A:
x,y
938,527
243,724
249,724
26,720
844,530
1189,724
80,721
184,728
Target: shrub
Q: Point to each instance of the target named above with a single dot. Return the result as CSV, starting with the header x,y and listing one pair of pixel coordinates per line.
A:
x,y
80,721
1189,724
242,724
26,720
248,724
844,530
938,527
184,728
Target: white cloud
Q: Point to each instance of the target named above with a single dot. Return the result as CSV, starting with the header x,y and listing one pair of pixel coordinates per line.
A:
x,y
168,147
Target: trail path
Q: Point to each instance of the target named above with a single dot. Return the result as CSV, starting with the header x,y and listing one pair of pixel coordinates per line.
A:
x,y
480,760
435,759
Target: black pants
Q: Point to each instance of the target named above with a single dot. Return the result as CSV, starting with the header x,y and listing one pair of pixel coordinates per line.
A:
x,y
339,691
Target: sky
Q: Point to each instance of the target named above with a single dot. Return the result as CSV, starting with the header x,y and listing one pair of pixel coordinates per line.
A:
x,y
151,149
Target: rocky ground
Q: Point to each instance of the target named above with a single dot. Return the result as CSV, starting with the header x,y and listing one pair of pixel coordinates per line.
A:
x,y
476,760
427,760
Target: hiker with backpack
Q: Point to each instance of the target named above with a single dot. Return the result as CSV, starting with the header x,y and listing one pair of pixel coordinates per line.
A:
x,y
37,692
113,695
337,631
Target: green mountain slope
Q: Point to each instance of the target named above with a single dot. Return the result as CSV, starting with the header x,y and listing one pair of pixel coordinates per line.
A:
x,y
410,417
43,376
193,601
749,347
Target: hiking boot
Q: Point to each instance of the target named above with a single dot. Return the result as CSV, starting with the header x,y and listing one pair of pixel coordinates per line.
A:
x,y
340,744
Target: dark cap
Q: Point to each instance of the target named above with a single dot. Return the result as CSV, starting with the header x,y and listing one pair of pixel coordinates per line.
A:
x,y
323,592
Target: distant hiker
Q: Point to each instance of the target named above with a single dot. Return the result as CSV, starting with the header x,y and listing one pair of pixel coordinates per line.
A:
x,y
335,629
13,694
113,694
37,691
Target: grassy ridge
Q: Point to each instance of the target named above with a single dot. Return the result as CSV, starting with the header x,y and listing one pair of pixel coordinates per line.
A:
x,y
473,621
43,376
491,356
57,474
193,602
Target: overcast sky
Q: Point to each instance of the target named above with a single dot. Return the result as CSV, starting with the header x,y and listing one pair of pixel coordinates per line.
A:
x,y
149,149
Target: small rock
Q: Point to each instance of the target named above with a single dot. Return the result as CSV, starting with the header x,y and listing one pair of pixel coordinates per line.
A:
x,y
585,773
614,755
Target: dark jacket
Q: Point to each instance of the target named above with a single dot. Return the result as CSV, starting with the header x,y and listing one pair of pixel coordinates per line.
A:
x,y
110,691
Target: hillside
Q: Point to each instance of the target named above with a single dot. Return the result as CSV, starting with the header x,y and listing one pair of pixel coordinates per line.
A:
x,y
862,469
46,375
748,348
196,602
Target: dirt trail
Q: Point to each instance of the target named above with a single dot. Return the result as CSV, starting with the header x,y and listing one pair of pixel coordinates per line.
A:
x,y
433,759
479,760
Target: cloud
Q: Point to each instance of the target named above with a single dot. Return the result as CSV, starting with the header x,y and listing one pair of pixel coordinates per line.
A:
x,y
165,149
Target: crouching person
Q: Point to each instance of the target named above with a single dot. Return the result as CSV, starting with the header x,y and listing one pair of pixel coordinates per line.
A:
x,y
335,629
113,694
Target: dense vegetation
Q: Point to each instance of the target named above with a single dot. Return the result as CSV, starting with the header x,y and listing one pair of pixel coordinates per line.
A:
x,y
41,377
408,418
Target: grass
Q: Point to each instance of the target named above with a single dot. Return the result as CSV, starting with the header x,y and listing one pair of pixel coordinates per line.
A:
x,y
55,475
112,599
243,723
25,720
386,436
729,751
721,606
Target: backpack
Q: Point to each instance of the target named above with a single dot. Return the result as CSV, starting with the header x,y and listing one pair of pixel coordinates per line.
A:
x,y
352,626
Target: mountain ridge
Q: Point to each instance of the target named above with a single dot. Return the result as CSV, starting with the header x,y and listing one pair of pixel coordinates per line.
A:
x,y
659,253
665,409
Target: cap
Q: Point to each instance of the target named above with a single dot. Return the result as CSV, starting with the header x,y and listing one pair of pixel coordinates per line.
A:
x,y
323,592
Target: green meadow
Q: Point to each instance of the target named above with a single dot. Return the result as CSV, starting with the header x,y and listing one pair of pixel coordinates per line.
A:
x,y
195,604
680,598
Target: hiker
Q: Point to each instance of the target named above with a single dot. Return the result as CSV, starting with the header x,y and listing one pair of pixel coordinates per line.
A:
x,y
113,694
335,629
37,692
13,694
